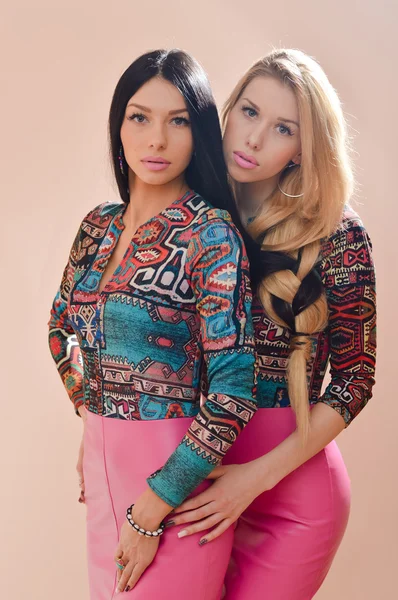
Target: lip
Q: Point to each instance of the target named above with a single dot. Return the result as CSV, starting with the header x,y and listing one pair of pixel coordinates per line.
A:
x,y
245,161
155,163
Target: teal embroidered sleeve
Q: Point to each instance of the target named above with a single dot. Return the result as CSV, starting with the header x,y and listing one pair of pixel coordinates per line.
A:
x,y
218,271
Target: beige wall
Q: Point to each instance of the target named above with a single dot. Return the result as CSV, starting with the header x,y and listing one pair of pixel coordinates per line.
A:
x,y
60,63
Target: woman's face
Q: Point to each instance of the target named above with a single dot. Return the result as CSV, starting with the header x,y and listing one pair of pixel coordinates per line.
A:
x,y
262,133
156,133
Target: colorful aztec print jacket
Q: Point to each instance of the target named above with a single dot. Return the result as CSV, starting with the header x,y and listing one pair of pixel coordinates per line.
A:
x,y
179,303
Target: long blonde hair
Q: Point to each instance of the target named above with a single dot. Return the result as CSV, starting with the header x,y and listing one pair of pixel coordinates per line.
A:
x,y
295,227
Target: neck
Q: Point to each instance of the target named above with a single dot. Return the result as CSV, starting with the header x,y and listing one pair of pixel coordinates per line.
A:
x,y
253,195
148,200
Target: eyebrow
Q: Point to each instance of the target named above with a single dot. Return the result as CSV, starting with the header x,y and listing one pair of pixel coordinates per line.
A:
x,y
146,109
288,121
279,118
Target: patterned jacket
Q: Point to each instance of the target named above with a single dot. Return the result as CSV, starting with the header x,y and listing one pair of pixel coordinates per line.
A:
x,y
179,300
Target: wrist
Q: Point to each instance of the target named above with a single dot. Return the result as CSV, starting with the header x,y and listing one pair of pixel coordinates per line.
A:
x,y
150,510
266,473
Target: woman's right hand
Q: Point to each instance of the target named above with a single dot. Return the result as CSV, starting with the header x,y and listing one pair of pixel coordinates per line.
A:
x,y
79,465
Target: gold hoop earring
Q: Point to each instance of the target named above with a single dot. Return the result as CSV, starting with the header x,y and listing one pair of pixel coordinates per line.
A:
x,y
289,166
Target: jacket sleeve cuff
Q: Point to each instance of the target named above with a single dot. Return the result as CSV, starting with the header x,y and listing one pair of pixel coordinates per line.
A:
x,y
361,392
182,473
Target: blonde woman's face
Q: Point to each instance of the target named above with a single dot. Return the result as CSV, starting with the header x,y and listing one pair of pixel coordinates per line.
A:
x,y
262,133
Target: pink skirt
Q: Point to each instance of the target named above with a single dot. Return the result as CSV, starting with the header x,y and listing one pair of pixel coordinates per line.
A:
x,y
281,548
286,540
118,457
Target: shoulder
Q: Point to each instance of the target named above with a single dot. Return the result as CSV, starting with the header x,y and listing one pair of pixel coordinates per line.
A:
x,y
216,243
97,220
351,233
103,212
214,225
347,253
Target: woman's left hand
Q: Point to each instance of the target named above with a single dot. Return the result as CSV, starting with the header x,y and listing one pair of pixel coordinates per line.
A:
x,y
234,488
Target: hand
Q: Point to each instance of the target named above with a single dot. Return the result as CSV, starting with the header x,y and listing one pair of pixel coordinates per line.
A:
x,y
136,552
234,488
82,410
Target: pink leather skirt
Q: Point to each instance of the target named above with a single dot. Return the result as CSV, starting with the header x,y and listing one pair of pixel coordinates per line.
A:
x,y
286,540
118,457
283,544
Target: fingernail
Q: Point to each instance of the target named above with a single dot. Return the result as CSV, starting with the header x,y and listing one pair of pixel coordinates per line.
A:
x,y
182,533
170,523
203,542
128,588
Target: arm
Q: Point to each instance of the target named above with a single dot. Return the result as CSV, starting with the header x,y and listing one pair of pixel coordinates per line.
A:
x,y
63,344
217,267
349,278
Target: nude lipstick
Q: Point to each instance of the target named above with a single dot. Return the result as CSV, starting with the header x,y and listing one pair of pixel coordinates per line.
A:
x,y
155,163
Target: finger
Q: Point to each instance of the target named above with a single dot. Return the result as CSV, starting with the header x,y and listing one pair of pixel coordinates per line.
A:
x,y
201,525
119,561
80,479
135,576
118,553
193,515
118,558
82,498
195,502
216,532
124,576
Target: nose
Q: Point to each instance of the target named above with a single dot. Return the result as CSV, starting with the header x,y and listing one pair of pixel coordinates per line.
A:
x,y
158,139
255,139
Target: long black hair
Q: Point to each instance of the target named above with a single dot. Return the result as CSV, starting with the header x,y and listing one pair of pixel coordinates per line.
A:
x,y
207,172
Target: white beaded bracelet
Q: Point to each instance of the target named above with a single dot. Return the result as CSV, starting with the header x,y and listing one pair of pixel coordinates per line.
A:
x,y
141,530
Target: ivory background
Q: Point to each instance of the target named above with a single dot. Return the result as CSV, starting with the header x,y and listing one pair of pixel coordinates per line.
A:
x,y
60,62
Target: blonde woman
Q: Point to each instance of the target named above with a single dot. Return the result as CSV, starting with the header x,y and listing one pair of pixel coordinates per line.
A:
x,y
286,150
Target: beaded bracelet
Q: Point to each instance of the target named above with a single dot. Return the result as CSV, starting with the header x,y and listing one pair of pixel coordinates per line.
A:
x,y
139,529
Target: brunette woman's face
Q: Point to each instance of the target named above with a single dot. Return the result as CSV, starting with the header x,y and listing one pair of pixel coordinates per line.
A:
x,y
262,133
156,133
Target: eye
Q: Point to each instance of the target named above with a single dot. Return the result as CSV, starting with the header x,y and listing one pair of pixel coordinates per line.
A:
x,y
249,111
137,117
284,129
181,121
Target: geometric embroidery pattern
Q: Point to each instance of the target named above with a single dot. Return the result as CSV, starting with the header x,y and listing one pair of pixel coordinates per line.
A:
x,y
349,341
177,309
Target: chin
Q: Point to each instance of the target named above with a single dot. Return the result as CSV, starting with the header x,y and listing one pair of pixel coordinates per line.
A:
x,y
240,175
158,178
